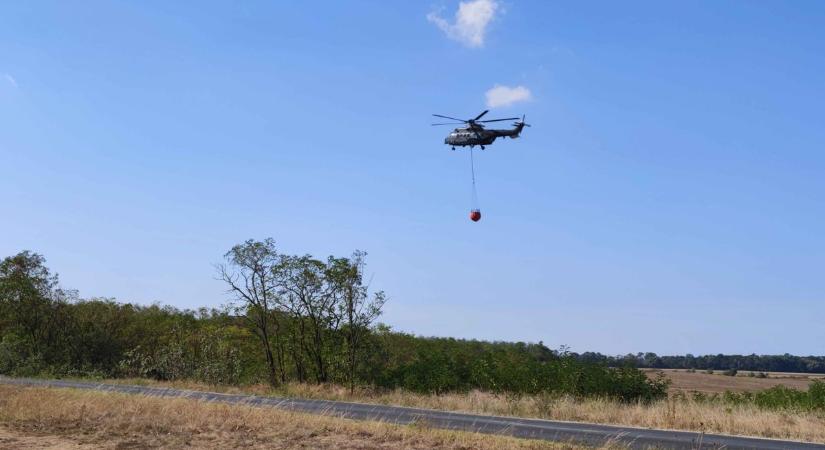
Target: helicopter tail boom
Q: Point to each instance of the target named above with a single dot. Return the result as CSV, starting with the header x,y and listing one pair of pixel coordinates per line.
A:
x,y
516,131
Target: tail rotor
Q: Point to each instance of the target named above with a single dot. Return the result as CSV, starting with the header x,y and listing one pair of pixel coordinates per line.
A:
x,y
521,123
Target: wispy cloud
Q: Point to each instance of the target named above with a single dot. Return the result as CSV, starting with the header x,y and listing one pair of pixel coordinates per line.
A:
x,y
11,80
506,95
471,21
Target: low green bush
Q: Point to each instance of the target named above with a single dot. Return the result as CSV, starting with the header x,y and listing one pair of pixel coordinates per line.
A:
x,y
782,397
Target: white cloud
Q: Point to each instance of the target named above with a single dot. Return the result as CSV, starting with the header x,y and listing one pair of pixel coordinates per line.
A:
x,y
471,21
506,95
11,80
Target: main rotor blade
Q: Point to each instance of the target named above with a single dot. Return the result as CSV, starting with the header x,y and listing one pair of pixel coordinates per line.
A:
x,y
500,120
451,123
448,117
482,114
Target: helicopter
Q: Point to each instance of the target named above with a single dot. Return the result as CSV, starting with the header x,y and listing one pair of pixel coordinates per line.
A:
x,y
475,134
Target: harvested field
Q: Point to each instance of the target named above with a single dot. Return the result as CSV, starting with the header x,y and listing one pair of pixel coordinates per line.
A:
x,y
700,381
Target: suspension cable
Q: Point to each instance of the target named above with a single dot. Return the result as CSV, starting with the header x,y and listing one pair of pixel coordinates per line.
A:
x,y
473,173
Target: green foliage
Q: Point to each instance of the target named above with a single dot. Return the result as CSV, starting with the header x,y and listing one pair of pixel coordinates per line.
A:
x,y
775,398
13,352
207,352
781,397
816,395
17,358
317,318
437,365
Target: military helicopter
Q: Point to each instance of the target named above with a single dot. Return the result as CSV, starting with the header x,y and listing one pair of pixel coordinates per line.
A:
x,y
475,134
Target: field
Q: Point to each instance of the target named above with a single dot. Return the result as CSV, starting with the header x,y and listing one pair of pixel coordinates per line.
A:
x,y
64,418
700,381
684,414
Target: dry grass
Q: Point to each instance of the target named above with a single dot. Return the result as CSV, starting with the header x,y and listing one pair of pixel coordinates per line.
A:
x,y
700,381
67,418
681,414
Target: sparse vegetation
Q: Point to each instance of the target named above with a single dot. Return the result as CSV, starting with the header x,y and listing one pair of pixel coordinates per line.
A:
x,y
709,413
106,420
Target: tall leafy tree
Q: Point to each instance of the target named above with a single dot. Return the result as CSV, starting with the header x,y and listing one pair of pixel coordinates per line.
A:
x,y
356,307
28,295
308,295
249,273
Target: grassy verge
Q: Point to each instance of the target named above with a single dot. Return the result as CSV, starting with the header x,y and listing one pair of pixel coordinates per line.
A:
x,y
107,420
680,413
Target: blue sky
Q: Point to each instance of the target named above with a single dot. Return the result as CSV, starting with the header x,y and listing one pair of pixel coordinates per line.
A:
x,y
668,198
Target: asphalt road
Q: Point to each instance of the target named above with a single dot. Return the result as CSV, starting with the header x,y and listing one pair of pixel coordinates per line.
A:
x,y
585,433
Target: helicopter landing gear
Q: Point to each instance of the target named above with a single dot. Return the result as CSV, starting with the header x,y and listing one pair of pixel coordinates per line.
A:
x,y
482,147
453,148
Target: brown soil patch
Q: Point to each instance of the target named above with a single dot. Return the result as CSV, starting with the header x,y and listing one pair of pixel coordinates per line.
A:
x,y
15,440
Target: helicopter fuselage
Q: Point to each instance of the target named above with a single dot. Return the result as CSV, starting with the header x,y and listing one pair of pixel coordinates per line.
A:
x,y
476,135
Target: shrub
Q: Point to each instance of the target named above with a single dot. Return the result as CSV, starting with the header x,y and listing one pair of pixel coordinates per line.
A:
x,y
782,397
13,352
816,395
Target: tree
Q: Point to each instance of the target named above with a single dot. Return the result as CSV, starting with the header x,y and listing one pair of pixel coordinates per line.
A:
x,y
29,293
308,295
249,272
356,307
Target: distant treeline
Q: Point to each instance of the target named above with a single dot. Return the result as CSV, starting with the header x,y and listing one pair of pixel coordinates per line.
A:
x,y
756,363
291,319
